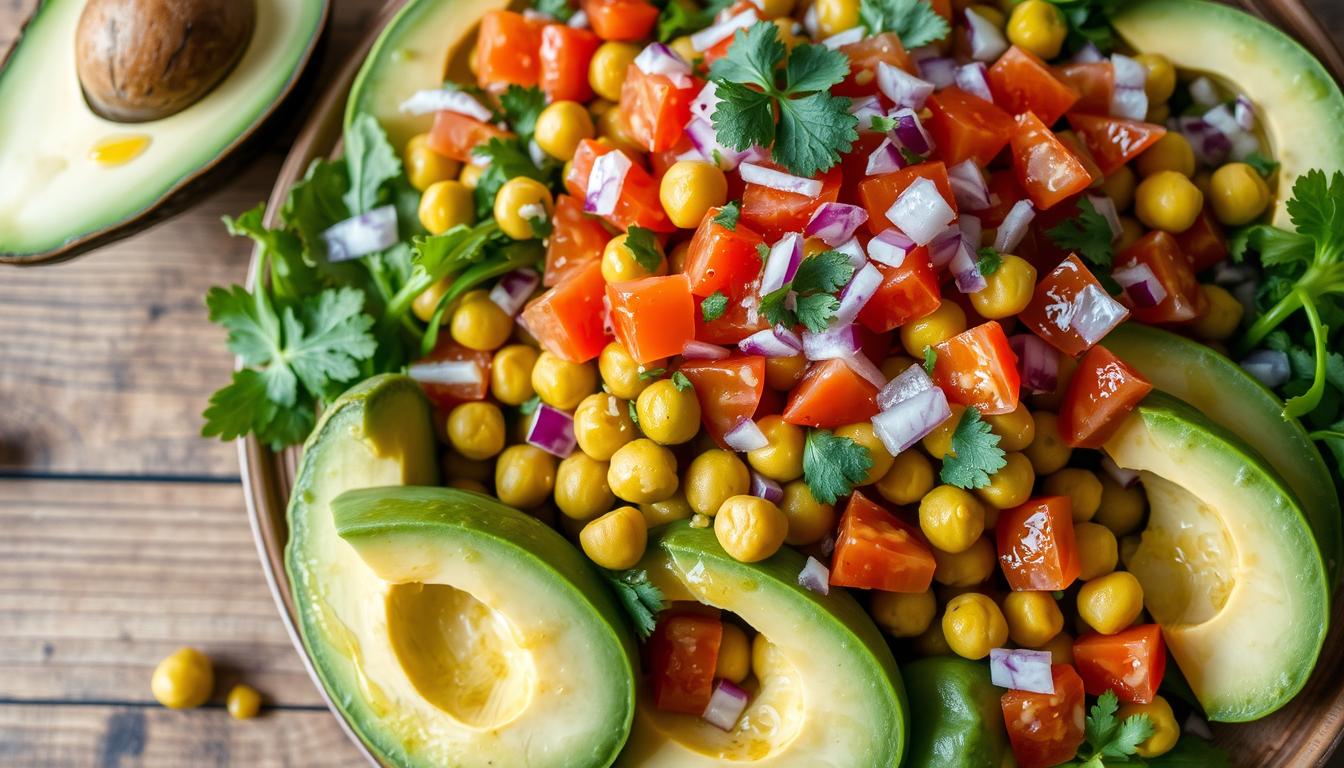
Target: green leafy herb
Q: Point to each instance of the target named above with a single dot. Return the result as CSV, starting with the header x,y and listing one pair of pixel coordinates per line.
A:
x,y
763,251
652,373
507,158
713,307
914,21
912,158
990,261
644,246
833,465
1089,22
530,405
816,282
1111,739
728,215
680,17
371,161
976,455
558,9
1088,234
541,226
930,359
814,127
641,600
681,382
1263,165
521,107
882,123
634,415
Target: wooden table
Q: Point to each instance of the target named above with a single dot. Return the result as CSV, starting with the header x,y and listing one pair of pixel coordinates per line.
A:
x,y
122,533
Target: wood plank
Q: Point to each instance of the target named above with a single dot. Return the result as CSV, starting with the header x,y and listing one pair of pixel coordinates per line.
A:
x,y
71,736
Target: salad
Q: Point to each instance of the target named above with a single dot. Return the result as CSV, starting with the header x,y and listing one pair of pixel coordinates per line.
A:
x,y
822,346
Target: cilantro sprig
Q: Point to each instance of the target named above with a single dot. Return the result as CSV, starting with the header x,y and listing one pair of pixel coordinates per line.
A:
x,y
641,600
833,465
728,215
1110,739
914,21
1089,235
814,127
975,456
814,286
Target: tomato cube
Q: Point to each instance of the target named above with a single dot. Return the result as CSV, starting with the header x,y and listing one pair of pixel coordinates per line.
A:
x,y
508,48
1102,392
576,240
1047,169
721,259
864,57
621,19
831,395
683,654
446,396
1181,299
977,368
1046,729
1095,83
1071,310
1113,141
774,213
1021,82
1130,662
906,293
729,391
965,126
1037,550
565,55
879,193
567,319
655,110
453,135
876,550
1204,244
638,204
1004,193
741,319
654,316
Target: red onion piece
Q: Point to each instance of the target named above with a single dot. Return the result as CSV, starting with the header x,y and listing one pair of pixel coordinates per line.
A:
x,y
921,213
987,40
1140,284
1125,478
1212,146
446,372
1021,670
361,235
763,487
909,132
782,262
836,343
890,248
726,706
772,342
965,268
444,100
886,158
860,364
659,59
718,32
784,182
1037,362
1244,112
815,576
605,182
857,294
514,289
969,186
1203,92
904,424
1014,227
972,231
1269,367
552,430
1092,314
906,385
973,78
1129,100
705,138
901,87
746,436
841,39
834,223
945,246
939,70
700,350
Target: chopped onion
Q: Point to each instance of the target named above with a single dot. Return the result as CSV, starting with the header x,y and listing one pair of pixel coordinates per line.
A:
x,y
965,268
865,108
810,22
972,231
716,33
361,235
939,70
841,39
905,423
444,100
579,20
1088,54
446,372
1021,670
903,88
973,78
886,158
1093,314
835,343
537,154
852,249
909,132
746,436
764,488
708,147
1037,362
858,293
969,186
1269,367
906,385
920,212
834,223
1244,112
1014,227
1212,146
890,248
861,365
987,40
658,59
815,577
1129,100
552,430
945,246
1106,207
784,182
700,350
706,101
1244,145
605,182
782,263
726,706
514,289
1203,92
1123,477
1140,284
772,342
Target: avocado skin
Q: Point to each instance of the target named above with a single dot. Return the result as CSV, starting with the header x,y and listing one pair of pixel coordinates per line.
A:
x,y
955,718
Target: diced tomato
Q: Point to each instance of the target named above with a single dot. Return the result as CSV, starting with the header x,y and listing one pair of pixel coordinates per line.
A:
x,y
1113,141
1130,662
508,49
721,259
1204,244
729,390
621,19
454,135
854,164
1046,729
1037,549
876,550
1046,169
653,316
879,193
446,396
1004,188
741,319
1184,301
774,213
1080,151
565,55
638,204
965,126
1101,394
1022,82
683,654
831,395
1061,296
567,319
655,109
907,292
978,368
576,241
1095,83
864,56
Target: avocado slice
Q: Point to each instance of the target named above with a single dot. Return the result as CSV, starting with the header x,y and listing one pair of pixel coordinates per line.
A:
x,y
1234,400
1228,562
57,200
955,716
832,697
397,585
423,45
1299,103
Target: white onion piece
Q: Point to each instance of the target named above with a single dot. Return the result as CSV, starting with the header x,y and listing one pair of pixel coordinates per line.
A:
x,y
446,372
1129,100
1014,227
782,263
1269,366
746,436
579,20
1106,207
904,424
861,365
906,385
834,223
841,39
920,212
726,706
514,289
1221,118
361,235
536,153
701,350
605,182
886,158
706,101
890,248
716,33
969,186
965,268
901,87
772,342
1021,670
987,40
1125,478
532,14
1140,284
815,577
552,430
973,78
1203,92
443,100
939,70
1244,145
659,59
854,252
784,182
1037,362
763,487
831,344
1212,146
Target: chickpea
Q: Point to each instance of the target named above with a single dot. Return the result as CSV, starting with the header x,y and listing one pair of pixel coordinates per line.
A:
x,y
668,414
968,568
666,511
621,372
783,373
939,442
643,472
1008,289
734,662
511,374
1011,485
602,425
427,303
561,126
619,263
1110,603
973,624
862,434
518,203
1119,186
689,189
951,518
243,702
183,680
904,614
809,519
611,127
835,16
1039,27
1161,80
1130,232
1223,316
895,365
1048,452
424,166
524,476
713,477
938,326
615,540
447,204
560,383
1121,508
480,324
607,68
1172,152
1060,648
1034,618
476,429
781,459
581,489
750,529
470,175
910,477
1168,201
1238,194
1098,551
1165,729
1081,486
459,467
766,659
1158,114
1016,429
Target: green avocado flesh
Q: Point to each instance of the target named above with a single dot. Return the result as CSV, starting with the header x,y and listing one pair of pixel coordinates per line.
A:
x,y
447,628
955,717
54,193
830,696
1235,401
1299,104
1228,562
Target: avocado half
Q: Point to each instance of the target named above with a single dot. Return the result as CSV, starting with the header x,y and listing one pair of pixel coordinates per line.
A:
x,y
56,201
1228,562
830,696
1299,104
447,628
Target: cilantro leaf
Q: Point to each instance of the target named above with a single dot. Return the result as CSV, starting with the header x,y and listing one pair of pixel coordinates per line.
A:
x,y
680,17
813,287
371,161
1133,731
930,359
557,9
641,600
1111,738
750,121
508,158
1089,22
826,272
814,68
713,307
281,250
652,373
1088,234
243,407
816,310
521,107
882,123
914,21
681,382
644,246
990,261
728,215
975,456
1101,724
813,131
1263,165
751,58
774,307
833,465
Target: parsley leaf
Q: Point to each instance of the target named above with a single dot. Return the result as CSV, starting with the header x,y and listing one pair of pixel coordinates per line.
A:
x,y
1088,234
681,382
644,246
652,373
833,465
976,454
713,307
914,21
1263,165
990,261
641,600
521,107
557,9
371,162
930,359
728,215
